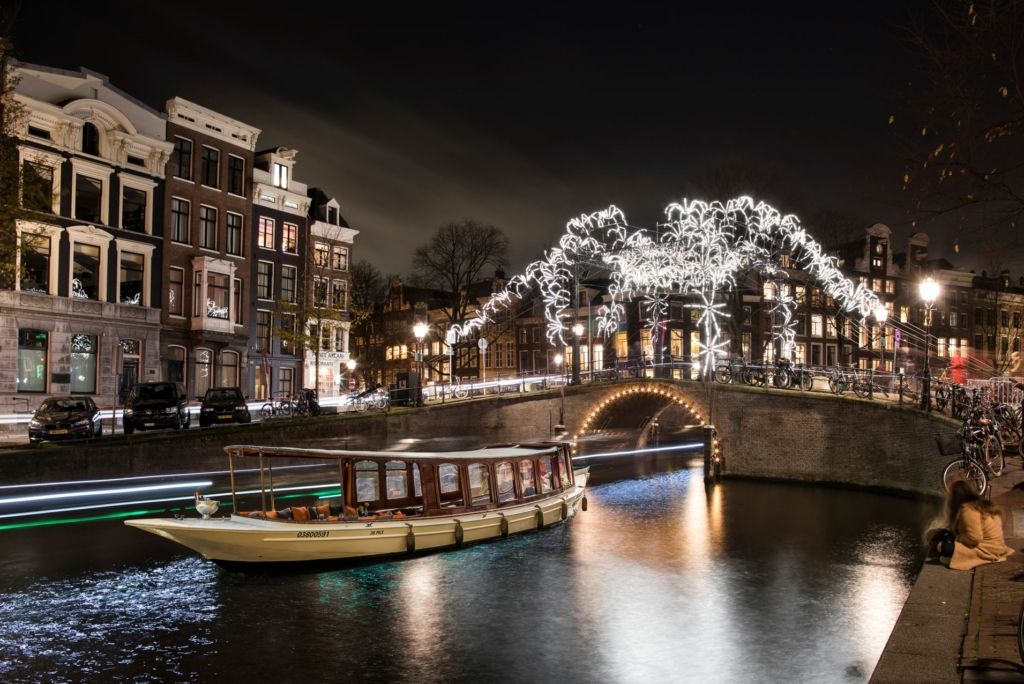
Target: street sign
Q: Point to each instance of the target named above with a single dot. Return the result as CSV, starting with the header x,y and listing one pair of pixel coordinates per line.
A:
x,y
896,337
451,337
481,344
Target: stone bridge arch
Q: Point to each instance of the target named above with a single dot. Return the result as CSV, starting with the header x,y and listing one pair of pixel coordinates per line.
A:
x,y
634,414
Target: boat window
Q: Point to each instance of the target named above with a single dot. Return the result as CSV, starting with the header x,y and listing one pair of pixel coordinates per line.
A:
x,y
367,481
526,477
546,485
506,482
448,473
397,479
417,489
565,467
479,483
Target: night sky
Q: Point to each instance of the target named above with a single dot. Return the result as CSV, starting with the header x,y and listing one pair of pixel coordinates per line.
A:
x,y
523,117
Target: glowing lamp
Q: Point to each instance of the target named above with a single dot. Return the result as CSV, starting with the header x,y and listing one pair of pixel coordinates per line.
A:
x,y
929,290
881,313
419,331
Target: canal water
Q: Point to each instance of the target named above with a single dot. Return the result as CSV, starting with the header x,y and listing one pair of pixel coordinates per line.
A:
x,y
662,580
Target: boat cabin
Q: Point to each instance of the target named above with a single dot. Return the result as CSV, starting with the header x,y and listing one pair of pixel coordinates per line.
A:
x,y
402,484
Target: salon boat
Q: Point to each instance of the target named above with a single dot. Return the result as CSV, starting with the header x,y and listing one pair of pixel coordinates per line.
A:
x,y
390,503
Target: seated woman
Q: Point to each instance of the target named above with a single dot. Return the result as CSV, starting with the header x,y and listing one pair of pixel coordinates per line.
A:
x,y
977,531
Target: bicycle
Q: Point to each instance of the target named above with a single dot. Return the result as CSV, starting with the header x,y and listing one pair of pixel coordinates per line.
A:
x,y
981,455
281,406
730,371
839,380
864,387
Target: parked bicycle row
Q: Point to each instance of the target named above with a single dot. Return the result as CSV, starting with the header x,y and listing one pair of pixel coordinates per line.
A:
x,y
989,428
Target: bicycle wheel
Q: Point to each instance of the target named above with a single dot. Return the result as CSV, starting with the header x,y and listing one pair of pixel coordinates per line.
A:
x,y
266,411
460,393
806,381
834,387
968,471
992,453
723,375
782,379
861,389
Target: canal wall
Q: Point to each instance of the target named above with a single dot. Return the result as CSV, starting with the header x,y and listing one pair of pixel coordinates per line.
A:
x,y
764,433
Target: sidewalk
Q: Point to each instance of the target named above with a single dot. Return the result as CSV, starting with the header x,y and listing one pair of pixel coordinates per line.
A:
x,y
957,625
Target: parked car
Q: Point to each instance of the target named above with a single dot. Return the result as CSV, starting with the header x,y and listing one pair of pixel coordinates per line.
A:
x,y
223,405
155,405
65,418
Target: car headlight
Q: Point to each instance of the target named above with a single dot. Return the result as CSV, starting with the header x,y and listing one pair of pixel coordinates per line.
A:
x,y
81,422
34,423
171,409
243,407
128,412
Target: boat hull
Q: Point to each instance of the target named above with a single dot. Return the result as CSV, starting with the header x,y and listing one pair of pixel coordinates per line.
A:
x,y
240,539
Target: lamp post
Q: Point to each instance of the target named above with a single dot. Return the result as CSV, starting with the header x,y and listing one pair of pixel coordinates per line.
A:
x,y
929,290
577,333
419,331
560,428
881,314
450,338
351,366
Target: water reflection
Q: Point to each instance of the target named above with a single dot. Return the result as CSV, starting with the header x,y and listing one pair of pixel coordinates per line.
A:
x,y
662,579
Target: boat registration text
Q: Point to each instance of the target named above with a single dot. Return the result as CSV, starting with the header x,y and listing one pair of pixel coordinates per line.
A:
x,y
312,533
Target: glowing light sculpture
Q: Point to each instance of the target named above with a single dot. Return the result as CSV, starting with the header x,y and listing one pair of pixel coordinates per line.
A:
x,y
698,252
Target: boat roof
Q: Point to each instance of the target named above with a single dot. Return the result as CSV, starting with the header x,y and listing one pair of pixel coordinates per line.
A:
x,y
498,452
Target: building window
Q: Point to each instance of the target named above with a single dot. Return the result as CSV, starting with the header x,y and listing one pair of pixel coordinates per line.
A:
x,y
228,369
181,158
280,175
332,216
35,263
236,175
952,319
32,346
133,272
37,187
264,280
210,167
218,292
339,294
88,198
181,211
289,238
234,228
207,227
816,325
90,139
263,331
288,283
176,291
83,363
133,209
287,382
86,279
238,302
320,254
265,237
339,258
287,334
202,361
319,292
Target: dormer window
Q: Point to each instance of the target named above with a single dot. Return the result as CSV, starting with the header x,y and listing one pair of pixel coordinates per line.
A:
x,y
90,139
280,175
332,216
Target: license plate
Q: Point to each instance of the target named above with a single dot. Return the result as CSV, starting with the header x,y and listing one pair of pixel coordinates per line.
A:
x,y
58,432
229,417
149,425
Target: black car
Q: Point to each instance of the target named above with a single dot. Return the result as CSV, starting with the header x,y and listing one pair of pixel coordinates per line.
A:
x,y
65,418
154,405
223,405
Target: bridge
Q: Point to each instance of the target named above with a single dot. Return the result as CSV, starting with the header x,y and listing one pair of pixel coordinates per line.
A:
x,y
758,432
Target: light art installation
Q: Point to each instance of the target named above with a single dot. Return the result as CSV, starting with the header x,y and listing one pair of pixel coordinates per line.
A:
x,y
698,252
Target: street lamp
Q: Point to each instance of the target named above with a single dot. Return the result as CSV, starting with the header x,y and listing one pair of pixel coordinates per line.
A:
x,y
881,313
560,428
351,366
929,290
577,333
419,331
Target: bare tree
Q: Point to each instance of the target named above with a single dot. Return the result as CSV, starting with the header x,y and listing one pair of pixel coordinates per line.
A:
x,y
368,289
963,129
455,257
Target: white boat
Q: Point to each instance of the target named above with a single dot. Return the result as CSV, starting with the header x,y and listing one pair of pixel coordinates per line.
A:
x,y
391,503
